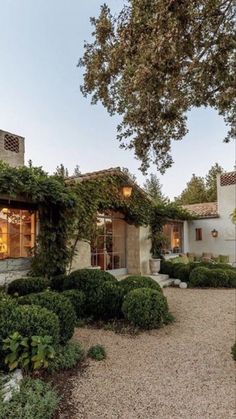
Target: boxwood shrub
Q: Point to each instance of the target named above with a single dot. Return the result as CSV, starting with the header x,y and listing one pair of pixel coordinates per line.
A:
x,y
199,277
77,299
87,279
218,278
28,285
145,308
102,291
231,273
58,304
57,282
167,268
183,272
136,281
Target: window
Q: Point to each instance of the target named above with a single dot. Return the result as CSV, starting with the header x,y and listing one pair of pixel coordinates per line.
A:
x,y
198,234
11,143
17,232
173,233
109,241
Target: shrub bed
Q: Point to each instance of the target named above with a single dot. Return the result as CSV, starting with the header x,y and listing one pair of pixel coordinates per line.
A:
x,y
102,291
28,285
145,308
77,299
233,351
136,281
59,305
205,277
66,357
35,400
167,268
57,282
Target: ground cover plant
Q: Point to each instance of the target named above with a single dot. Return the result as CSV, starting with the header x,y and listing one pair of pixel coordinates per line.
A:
x,y
36,400
66,357
97,352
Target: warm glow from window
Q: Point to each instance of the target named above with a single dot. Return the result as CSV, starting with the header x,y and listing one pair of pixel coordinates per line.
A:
x,y
17,233
127,191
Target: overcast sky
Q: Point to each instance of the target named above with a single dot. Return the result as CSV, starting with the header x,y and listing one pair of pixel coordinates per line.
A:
x,y
40,43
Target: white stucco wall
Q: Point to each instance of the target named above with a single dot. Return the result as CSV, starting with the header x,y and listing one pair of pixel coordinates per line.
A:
x,y
82,257
186,237
225,243
144,250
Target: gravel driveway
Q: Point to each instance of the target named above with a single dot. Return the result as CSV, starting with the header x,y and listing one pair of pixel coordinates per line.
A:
x,y
183,370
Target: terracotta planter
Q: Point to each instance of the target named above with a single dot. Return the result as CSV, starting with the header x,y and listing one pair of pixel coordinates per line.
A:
x,y
155,266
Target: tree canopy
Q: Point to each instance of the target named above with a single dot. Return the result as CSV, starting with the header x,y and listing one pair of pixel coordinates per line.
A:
x,y
154,188
200,189
155,61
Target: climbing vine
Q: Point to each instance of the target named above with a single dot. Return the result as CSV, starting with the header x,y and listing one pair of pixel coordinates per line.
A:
x,y
56,206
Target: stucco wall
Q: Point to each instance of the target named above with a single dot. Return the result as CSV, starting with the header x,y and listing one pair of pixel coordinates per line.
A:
x,y
132,250
10,157
225,243
11,269
144,250
82,257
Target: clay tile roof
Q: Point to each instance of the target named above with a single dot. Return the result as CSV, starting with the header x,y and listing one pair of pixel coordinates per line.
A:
x,y
100,173
203,210
228,179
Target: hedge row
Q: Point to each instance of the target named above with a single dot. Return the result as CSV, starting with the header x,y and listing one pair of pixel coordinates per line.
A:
x,y
203,274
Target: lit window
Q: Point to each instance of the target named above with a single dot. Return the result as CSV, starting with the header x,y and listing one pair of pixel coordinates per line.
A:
x,y
198,234
11,143
17,233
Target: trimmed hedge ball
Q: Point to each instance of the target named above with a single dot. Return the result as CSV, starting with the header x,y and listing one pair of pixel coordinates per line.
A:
x,y
199,277
145,308
231,278
167,268
57,282
218,278
58,304
87,279
136,281
28,285
77,299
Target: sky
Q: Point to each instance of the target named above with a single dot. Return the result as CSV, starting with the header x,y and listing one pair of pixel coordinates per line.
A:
x,y
40,99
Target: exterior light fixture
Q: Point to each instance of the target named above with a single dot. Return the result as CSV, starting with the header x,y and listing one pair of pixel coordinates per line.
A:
x,y
127,191
214,233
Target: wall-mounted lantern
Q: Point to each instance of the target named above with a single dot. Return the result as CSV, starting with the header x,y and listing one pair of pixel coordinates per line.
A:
x,y
214,233
127,191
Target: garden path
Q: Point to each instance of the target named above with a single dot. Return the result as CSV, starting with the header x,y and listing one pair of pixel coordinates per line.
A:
x,y
182,371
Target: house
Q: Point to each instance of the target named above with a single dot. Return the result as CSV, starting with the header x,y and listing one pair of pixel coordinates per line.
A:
x,y
119,244
213,230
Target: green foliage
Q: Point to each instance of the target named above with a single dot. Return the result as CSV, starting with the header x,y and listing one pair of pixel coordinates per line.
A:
x,y
218,278
154,188
102,291
231,274
28,321
59,305
23,286
136,281
130,67
66,357
28,353
105,193
56,205
36,400
159,216
97,352
233,351
183,272
145,308
194,192
211,182
167,268
57,282
87,279
77,299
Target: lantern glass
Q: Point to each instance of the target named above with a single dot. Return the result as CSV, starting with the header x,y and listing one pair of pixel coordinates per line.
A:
x,y
127,191
214,233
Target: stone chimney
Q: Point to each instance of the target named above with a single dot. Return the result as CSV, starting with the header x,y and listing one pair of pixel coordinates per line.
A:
x,y
12,149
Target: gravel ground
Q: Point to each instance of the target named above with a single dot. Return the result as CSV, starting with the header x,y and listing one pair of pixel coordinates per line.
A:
x,y
181,371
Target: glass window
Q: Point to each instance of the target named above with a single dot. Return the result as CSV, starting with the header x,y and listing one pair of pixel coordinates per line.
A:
x,y
17,233
174,238
109,241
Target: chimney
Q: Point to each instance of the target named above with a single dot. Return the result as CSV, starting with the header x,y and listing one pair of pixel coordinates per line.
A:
x,y
12,149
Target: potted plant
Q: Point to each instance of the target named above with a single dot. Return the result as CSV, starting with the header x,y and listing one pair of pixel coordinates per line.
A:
x,y
159,240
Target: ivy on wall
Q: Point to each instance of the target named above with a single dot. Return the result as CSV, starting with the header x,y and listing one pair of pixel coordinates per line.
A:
x,y
67,211
56,205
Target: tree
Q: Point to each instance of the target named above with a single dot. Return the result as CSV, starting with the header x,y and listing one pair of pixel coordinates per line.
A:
x,y
77,171
154,188
61,171
155,61
211,182
194,192
129,174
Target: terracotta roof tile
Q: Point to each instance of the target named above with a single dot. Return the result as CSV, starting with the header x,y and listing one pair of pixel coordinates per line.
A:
x,y
203,210
228,179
